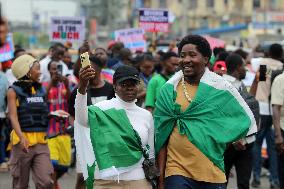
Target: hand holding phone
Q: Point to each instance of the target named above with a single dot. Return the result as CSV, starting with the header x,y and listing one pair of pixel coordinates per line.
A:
x,y
85,61
262,72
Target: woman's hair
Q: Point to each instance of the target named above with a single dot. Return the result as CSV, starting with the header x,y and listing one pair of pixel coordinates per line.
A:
x,y
201,43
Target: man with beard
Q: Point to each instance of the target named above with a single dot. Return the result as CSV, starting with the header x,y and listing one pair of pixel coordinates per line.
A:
x,y
239,154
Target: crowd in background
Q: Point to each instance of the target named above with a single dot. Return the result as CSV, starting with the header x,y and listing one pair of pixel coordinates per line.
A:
x,y
60,76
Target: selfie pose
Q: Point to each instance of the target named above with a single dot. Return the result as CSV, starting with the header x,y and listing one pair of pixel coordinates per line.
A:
x,y
28,112
198,113
121,135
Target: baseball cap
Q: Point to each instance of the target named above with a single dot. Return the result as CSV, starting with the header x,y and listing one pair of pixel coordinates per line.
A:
x,y
22,65
124,72
220,65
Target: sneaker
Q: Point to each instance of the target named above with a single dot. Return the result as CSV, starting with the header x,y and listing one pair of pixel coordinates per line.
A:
x,y
255,183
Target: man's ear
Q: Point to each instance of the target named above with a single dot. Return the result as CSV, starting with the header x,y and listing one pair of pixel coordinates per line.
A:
x,y
206,60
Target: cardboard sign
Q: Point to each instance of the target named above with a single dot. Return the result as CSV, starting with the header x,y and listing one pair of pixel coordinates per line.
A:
x,y
154,20
132,38
64,29
7,50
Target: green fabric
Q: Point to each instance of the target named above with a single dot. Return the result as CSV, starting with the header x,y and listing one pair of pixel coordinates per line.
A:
x,y
212,60
213,119
153,89
113,139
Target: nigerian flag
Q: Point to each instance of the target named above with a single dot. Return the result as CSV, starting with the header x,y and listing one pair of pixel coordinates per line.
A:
x,y
114,148
216,117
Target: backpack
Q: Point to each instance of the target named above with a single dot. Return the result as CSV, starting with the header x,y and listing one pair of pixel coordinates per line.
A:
x,y
251,102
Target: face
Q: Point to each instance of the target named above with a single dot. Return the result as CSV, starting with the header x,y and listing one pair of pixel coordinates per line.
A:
x,y
171,65
242,71
34,73
58,53
101,54
147,67
192,62
66,57
53,69
127,90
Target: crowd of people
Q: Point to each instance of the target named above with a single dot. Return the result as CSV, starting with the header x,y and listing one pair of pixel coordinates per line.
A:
x,y
186,111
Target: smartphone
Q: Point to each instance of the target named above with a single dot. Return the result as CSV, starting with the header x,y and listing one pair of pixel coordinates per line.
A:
x,y
59,69
85,59
262,72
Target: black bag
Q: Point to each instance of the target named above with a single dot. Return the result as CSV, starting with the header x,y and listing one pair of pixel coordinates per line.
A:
x,y
149,165
251,102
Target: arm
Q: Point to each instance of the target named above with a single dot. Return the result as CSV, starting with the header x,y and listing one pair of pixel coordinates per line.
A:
x,y
81,109
150,96
253,87
13,115
276,122
162,159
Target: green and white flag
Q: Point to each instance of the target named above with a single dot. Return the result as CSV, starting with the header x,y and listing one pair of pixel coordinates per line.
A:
x,y
216,117
114,146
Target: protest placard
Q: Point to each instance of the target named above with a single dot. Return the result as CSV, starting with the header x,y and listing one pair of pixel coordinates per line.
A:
x,y
7,50
132,38
64,29
154,20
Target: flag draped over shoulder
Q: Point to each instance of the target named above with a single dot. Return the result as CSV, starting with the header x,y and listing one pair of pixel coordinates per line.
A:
x,y
114,143
217,116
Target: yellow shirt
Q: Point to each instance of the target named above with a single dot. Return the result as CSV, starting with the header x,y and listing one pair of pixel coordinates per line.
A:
x,y
33,138
186,159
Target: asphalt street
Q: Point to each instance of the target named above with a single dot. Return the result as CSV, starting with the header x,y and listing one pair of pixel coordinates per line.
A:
x,y
68,181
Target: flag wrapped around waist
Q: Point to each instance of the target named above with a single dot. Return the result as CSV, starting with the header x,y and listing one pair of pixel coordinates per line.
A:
x,y
216,117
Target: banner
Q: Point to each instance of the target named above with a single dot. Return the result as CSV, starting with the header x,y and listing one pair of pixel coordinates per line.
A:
x,y
64,29
7,50
133,39
154,20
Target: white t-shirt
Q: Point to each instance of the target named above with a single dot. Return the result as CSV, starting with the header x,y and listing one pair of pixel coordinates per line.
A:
x,y
277,96
45,75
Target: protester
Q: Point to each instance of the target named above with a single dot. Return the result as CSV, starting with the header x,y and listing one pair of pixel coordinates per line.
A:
x,y
124,58
261,88
119,129
98,91
28,112
59,142
4,84
239,154
277,101
67,59
57,53
169,66
146,68
106,73
197,114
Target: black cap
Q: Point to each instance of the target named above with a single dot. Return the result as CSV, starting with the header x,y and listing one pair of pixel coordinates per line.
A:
x,y
123,73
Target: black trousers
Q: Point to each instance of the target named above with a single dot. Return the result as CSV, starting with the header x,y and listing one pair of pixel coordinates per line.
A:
x,y
242,160
281,167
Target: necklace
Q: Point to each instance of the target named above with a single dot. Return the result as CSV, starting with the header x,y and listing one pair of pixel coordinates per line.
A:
x,y
186,94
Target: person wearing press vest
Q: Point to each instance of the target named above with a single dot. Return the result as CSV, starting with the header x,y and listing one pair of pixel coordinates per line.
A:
x,y
121,137
28,113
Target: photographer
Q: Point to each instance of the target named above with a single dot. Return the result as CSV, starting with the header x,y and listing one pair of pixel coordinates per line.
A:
x,y
59,142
